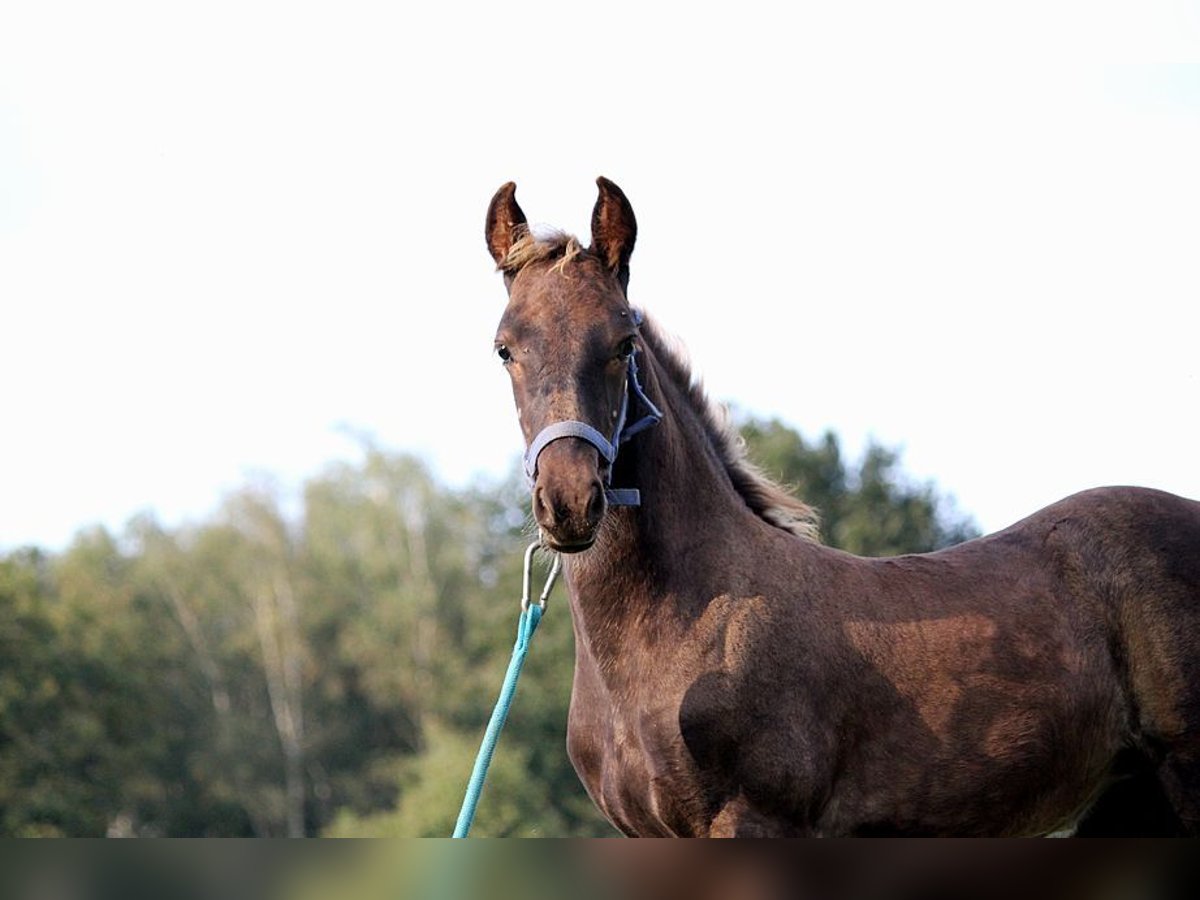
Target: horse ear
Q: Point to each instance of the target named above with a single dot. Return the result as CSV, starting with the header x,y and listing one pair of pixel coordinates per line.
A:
x,y
504,217
614,229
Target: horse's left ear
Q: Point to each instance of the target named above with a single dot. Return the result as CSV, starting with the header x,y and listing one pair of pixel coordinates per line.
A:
x,y
614,229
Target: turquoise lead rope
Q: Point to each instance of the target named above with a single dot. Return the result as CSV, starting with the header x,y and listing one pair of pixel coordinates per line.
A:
x,y
531,615
526,626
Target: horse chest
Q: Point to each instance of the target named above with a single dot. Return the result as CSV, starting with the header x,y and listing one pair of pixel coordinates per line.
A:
x,y
631,758
655,735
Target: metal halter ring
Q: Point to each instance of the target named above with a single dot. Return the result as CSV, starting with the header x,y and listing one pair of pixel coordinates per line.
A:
x,y
554,567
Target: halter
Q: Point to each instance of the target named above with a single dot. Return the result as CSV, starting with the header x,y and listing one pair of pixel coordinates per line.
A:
x,y
606,447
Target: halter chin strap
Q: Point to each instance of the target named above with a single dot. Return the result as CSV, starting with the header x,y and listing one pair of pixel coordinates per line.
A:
x,y
650,415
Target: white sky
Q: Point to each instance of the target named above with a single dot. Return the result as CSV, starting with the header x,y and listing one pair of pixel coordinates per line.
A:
x,y
228,230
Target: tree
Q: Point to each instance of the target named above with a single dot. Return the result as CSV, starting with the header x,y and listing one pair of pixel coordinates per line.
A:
x,y
871,510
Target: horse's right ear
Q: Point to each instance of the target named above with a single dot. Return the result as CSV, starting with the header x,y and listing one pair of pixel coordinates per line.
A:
x,y
504,218
614,229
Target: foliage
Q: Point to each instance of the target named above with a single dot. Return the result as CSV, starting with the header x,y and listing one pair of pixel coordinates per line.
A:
x,y
872,510
330,669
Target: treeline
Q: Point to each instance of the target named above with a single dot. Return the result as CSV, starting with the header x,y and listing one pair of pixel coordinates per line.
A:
x,y
325,664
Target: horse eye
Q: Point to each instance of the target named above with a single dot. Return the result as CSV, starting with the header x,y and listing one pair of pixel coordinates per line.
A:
x,y
504,353
626,349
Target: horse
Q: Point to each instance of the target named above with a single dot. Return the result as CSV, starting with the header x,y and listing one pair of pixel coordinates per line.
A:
x,y
736,677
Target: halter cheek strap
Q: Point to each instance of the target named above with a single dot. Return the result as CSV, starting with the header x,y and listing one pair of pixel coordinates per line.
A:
x,y
607,448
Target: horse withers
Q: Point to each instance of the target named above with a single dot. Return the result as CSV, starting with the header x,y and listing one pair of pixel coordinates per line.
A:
x,y
735,677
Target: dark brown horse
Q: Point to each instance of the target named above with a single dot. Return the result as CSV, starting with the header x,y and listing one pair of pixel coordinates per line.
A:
x,y
735,677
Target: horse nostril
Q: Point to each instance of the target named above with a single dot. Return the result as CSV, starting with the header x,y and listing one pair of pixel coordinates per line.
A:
x,y
595,508
542,511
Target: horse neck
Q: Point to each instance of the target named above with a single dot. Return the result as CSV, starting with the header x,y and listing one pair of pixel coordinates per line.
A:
x,y
661,561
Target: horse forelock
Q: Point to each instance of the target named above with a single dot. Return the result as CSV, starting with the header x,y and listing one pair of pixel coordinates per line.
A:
x,y
531,248
770,500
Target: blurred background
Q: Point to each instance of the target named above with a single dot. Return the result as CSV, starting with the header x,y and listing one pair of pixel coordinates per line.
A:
x,y
260,527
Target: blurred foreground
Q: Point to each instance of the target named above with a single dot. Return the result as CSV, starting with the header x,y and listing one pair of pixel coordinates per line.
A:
x,y
600,870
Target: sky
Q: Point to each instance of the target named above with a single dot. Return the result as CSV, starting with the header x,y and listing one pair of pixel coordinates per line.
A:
x,y
237,237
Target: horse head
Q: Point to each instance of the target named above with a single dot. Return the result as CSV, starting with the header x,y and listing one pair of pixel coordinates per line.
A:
x,y
569,339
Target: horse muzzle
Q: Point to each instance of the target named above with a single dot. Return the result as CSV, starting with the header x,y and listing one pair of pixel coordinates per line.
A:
x,y
568,496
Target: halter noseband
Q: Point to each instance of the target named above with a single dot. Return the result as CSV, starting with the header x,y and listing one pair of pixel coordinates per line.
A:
x,y
607,448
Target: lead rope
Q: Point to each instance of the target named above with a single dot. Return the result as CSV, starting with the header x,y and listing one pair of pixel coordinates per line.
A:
x,y
527,623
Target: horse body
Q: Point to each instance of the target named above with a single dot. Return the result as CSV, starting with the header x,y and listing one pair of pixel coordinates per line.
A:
x,y
735,677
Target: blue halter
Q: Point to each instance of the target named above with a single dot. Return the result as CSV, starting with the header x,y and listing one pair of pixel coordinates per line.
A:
x,y
607,448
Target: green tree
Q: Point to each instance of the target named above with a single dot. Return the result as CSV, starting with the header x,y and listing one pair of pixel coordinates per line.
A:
x,y
871,509
94,701
389,562
42,790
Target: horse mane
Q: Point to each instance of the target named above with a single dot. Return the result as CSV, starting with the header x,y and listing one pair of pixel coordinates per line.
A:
x,y
768,499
